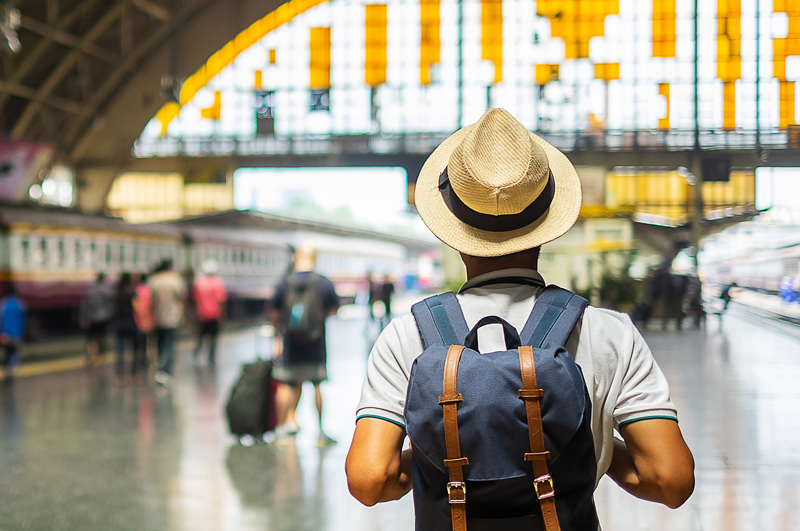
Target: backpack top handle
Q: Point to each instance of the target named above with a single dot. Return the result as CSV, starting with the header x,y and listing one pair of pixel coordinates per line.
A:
x,y
509,332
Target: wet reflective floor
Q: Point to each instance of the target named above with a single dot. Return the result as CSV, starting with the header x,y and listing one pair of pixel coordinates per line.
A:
x,y
78,452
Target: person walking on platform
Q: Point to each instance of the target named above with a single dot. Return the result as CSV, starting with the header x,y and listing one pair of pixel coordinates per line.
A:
x,y
496,193
302,302
372,295
125,325
96,312
387,291
143,317
168,290
209,295
12,329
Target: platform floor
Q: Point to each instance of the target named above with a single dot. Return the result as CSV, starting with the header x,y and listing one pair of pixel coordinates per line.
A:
x,y
78,452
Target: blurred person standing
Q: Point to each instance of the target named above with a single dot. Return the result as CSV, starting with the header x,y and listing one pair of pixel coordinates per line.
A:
x,y
372,295
302,302
168,290
12,327
143,317
387,291
209,295
125,325
96,312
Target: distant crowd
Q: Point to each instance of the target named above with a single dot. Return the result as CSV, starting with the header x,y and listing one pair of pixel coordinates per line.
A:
x,y
141,309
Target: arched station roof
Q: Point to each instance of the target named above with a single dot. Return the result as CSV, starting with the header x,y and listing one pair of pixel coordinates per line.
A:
x,y
89,74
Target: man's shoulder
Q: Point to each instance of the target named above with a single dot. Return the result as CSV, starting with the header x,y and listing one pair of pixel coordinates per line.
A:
x,y
605,317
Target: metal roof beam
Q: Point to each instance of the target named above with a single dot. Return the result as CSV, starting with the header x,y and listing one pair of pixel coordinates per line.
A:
x,y
33,58
52,81
154,10
28,93
71,41
74,136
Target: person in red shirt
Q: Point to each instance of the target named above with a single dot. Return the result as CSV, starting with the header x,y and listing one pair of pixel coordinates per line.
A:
x,y
210,296
145,322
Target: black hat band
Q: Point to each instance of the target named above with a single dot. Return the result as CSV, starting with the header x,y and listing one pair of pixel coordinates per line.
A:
x,y
501,222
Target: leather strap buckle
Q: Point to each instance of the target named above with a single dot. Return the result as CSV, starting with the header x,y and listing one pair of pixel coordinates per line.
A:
x,y
453,485
542,480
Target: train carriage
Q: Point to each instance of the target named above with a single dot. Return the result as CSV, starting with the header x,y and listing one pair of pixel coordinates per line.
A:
x,y
52,255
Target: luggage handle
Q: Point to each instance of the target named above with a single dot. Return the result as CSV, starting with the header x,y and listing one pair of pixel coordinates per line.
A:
x,y
509,332
265,334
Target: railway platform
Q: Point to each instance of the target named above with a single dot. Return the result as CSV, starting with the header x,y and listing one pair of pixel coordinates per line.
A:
x,y
80,452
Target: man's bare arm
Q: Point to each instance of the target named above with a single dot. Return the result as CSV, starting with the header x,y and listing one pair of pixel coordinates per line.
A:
x,y
377,467
653,462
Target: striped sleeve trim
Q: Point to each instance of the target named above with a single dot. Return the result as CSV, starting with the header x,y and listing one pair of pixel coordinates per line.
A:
x,y
381,418
653,417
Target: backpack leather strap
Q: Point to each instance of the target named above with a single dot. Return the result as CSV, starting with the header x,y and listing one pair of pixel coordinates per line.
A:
x,y
456,487
538,456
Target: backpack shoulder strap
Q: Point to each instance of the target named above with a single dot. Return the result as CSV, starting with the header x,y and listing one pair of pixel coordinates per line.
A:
x,y
440,320
554,315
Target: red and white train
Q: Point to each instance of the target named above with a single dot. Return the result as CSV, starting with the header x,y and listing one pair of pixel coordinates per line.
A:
x,y
52,255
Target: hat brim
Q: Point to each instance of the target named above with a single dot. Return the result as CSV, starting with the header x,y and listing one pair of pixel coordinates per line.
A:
x,y
558,219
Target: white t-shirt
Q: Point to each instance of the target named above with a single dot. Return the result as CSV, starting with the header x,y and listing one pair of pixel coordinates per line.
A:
x,y
622,377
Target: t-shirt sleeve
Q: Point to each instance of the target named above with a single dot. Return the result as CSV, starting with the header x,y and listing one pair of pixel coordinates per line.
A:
x,y
383,394
644,391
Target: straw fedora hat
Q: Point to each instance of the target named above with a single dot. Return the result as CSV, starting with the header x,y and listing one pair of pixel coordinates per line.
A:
x,y
493,188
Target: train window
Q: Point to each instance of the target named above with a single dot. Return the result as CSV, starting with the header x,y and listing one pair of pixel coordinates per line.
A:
x,y
61,250
148,256
108,254
93,261
26,251
78,258
43,257
135,257
122,256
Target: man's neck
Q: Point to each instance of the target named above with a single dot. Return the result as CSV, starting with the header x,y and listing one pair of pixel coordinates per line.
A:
x,y
477,266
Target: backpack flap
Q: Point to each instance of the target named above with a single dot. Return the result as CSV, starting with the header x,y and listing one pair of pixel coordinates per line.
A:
x,y
492,423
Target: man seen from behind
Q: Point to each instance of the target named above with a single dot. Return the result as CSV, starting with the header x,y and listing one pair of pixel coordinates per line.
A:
x,y
302,302
496,193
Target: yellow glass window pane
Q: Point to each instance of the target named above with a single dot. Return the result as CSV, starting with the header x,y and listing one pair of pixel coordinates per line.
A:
x,y
546,73
320,61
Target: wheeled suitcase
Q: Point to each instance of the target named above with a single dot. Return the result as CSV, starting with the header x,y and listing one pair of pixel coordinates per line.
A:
x,y
251,405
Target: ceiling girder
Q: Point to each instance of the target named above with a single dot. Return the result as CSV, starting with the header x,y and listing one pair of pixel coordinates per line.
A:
x,y
55,78
154,10
33,58
121,14
128,65
15,89
71,41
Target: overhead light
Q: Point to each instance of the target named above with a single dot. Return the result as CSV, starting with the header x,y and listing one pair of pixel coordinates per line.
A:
x,y
10,22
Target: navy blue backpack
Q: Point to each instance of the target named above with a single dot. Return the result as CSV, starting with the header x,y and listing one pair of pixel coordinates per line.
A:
x,y
500,440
